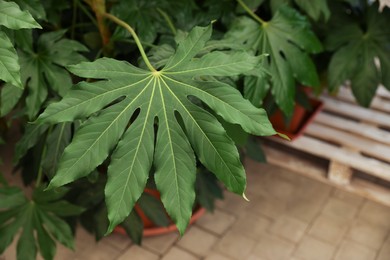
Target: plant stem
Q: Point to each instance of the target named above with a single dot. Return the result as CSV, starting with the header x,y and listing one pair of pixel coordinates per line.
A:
x,y
168,20
251,13
135,36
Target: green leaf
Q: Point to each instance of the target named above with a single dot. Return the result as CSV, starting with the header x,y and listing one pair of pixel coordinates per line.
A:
x,y
34,7
9,66
12,17
315,8
30,138
142,16
254,151
37,219
62,208
355,54
162,101
134,227
288,39
56,142
42,70
256,89
46,244
207,189
26,247
153,209
11,197
10,96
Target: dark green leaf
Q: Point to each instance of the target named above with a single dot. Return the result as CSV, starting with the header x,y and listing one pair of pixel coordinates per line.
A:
x,y
134,227
361,56
42,69
288,39
46,244
12,17
129,92
315,8
11,197
9,66
30,138
254,151
56,142
153,209
58,228
34,7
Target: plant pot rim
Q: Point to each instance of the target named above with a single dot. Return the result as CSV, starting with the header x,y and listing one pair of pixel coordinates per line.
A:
x,y
156,231
318,105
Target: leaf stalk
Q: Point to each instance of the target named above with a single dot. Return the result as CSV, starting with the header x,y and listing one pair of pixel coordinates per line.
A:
x,y
251,13
168,20
135,36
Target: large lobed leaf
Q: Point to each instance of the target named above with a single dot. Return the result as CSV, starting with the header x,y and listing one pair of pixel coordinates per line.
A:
x,y
361,56
288,39
38,220
9,66
123,108
12,17
42,71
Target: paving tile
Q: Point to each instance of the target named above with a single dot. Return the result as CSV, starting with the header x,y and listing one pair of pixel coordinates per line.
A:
x,y
235,245
311,248
217,222
176,253
375,213
232,204
308,189
197,241
340,209
216,256
160,244
368,234
255,257
303,209
278,188
348,197
273,248
384,253
329,229
355,251
289,228
267,206
252,225
83,239
100,251
137,253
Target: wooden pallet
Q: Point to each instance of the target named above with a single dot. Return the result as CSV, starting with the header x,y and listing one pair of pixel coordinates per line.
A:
x,y
354,140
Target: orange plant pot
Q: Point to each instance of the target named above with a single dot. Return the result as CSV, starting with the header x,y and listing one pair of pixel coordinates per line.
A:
x,y
300,120
150,229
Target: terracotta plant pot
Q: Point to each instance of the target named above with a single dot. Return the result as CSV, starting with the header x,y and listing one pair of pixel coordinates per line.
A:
x,y
300,120
150,229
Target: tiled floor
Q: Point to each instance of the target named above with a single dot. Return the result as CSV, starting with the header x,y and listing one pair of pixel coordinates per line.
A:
x,y
288,217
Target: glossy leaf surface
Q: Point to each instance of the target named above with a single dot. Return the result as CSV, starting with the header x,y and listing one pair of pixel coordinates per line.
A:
x,y
127,94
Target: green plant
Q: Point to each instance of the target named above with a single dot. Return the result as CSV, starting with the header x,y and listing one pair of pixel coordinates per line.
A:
x,y
114,96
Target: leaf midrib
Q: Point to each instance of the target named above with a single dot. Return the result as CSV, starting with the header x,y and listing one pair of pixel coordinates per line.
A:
x,y
96,97
138,145
170,145
201,130
105,130
206,93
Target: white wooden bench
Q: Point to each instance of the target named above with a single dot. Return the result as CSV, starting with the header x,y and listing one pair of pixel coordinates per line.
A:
x,y
354,141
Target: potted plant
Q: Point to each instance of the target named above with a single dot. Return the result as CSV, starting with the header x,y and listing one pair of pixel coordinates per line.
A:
x,y
112,97
163,116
